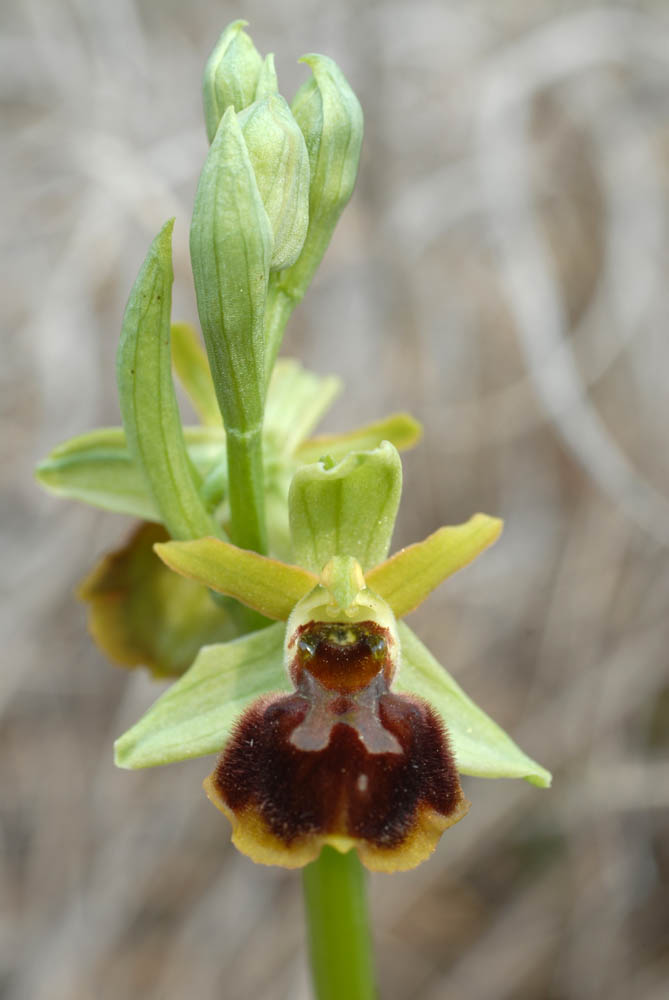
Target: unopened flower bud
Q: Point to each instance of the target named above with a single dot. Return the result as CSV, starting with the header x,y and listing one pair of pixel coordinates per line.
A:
x,y
230,76
330,117
268,83
281,165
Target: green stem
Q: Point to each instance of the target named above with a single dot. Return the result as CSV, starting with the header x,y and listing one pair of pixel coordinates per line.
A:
x,y
338,927
246,490
277,313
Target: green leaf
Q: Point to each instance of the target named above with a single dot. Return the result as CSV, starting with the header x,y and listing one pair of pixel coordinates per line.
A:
x,y
296,401
399,428
148,404
196,715
141,614
96,468
406,579
273,588
191,365
481,747
345,509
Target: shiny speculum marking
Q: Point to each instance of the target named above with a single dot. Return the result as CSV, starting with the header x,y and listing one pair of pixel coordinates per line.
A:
x,y
342,760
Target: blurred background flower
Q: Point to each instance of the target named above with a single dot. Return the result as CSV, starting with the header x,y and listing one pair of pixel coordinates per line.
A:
x,y
501,272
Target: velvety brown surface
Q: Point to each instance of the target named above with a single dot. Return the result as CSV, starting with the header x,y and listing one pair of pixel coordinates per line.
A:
x,y
299,792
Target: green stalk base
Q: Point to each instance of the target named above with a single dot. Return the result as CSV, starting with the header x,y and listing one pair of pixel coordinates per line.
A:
x,y
340,945
246,492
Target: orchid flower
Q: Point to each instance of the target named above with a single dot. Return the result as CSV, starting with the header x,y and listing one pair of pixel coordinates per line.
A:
x,y
335,726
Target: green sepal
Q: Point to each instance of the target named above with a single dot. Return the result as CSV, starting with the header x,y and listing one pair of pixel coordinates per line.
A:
x,y
148,403
296,401
399,428
231,75
191,365
197,714
96,468
231,246
141,614
481,747
406,579
268,82
271,587
345,509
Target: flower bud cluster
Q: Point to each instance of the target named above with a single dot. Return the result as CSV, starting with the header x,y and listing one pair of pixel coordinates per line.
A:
x,y
272,188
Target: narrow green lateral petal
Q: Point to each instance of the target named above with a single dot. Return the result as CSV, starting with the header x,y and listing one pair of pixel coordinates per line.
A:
x,y
345,509
191,365
148,402
273,588
141,614
399,428
481,747
296,401
196,715
406,579
96,468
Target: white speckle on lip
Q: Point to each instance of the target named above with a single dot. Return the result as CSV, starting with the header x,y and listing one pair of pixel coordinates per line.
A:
x,y
362,782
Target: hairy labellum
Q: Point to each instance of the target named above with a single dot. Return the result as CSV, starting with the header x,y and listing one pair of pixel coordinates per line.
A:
x,y
341,761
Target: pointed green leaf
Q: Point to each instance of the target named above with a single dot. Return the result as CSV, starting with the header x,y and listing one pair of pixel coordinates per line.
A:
x,y
345,509
399,428
296,401
196,715
191,365
148,403
96,468
481,747
406,579
273,588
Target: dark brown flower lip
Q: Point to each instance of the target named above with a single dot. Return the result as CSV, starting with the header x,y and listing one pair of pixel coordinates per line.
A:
x,y
285,801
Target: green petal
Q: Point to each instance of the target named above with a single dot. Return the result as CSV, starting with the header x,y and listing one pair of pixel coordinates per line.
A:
x,y
273,588
347,509
148,403
96,468
406,579
191,365
296,401
141,614
481,747
399,428
196,715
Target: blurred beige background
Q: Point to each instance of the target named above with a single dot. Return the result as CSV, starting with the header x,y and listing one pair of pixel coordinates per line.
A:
x,y
502,272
